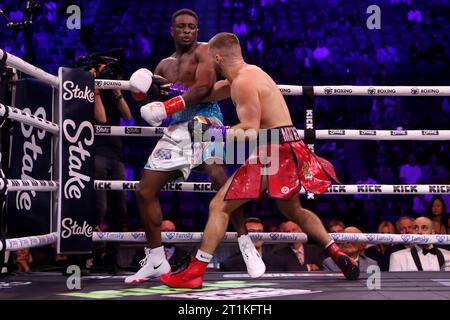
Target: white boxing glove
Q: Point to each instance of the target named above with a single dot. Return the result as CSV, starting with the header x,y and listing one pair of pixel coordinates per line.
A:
x,y
154,113
141,80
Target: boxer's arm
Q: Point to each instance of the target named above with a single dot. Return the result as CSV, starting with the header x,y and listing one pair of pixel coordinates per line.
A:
x,y
159,68
220,91
205,77
248,109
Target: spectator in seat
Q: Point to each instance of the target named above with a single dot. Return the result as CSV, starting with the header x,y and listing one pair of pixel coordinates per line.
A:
x,y
404,225
336,226
381,252
299,256
420,257
355,250
23,260
438,215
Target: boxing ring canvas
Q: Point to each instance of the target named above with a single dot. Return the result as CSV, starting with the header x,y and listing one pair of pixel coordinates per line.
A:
x,y
235,286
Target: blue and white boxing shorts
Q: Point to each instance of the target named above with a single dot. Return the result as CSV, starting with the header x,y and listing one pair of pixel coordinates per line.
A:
x,y
176,151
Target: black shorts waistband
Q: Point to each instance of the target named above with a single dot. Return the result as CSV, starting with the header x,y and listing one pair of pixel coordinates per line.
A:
x,y
278,135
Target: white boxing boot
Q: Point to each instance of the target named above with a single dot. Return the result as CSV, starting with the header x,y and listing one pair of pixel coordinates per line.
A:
x,y
153,265
252,258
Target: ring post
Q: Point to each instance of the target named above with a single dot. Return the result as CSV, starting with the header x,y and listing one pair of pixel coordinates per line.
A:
x,y
76,209
310,132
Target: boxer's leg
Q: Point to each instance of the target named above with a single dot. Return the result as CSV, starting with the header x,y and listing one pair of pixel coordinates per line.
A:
x,y
218,219
313,227
306,219
219,215
219,177
149,207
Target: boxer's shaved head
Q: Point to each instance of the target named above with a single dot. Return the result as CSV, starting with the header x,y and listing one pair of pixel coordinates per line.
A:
x,y
224,49
226,44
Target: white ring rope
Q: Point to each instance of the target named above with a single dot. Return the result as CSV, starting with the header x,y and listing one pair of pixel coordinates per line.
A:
x,y
104,84
29,242
291,90
350,189
177,237
396,91
323,134
391,238
276,237
23,66
27,185
29,119
194,237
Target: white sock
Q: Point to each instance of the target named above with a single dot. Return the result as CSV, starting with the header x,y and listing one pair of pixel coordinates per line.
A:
x,y
203,256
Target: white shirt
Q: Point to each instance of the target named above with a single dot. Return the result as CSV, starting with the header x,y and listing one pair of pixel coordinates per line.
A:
x,y
403,261
300,253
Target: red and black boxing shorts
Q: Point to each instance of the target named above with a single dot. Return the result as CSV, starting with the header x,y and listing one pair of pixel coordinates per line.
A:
x,y
288,164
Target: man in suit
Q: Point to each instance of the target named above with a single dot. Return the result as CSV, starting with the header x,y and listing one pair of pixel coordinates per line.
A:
x,y
273,262
421,257
404,225
354,250
299,256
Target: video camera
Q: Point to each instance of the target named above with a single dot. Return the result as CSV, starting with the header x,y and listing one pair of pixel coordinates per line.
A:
x,y
112,69
32,9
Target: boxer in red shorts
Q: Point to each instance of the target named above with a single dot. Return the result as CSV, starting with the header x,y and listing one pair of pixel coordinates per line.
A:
x,y
259,105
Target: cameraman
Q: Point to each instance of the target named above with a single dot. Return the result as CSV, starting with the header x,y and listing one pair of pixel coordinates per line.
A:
x,y
109,108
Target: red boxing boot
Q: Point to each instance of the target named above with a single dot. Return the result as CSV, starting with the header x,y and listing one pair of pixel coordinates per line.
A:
x,y
191,277
349,266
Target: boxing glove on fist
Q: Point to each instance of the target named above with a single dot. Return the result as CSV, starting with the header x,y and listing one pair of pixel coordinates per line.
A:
x,y
153,87
140,82
155,112
202,129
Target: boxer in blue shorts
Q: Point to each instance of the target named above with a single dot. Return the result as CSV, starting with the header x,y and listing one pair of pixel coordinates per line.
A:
x,y
186,77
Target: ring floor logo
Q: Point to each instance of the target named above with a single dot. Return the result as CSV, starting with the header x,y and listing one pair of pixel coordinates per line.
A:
x,y
218,290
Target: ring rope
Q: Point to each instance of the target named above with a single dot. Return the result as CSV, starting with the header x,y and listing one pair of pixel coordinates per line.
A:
x,y
231,237
202,187
27,185
29,242
350,189
189,237
15,62
23,66
278,237
324,134
29,119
